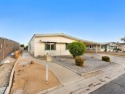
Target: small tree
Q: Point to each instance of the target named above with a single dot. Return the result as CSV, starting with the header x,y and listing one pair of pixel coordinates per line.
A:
x,y
76,48
123,39
22,45
26,48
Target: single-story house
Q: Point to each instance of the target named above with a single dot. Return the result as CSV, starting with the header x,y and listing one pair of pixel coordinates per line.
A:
x,y
109,46
122,46
56,44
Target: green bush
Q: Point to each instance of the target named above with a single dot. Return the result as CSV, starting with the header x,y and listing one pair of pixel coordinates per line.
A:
x,y
22,45
106,58
79,61
76,48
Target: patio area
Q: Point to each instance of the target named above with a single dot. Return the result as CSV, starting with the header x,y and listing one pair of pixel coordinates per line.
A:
x,y
90,63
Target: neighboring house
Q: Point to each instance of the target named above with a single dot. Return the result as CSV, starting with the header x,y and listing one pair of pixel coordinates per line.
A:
x,y
109,46
56,44
123,39
122,46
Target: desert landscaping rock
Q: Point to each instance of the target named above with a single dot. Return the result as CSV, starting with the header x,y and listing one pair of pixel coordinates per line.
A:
x,y
90,64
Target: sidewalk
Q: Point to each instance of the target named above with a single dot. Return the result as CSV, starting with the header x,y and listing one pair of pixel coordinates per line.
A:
x,y
88,85
64,75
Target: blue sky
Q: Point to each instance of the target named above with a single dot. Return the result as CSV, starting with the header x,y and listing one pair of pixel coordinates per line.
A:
x,y
94,20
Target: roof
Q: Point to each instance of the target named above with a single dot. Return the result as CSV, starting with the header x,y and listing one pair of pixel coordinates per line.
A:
x,y
64,35
122,43
106,43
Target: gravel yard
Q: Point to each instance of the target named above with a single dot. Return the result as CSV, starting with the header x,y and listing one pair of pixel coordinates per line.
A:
x,y
90,63
5,71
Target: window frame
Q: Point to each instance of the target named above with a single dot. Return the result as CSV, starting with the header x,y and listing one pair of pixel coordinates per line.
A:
x,y
50,46
66,46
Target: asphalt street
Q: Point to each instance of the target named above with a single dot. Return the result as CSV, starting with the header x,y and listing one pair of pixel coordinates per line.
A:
x,y
116,86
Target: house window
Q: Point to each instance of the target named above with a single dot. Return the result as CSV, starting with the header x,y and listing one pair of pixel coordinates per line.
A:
x,y
67,46
50,46
90,46
102,47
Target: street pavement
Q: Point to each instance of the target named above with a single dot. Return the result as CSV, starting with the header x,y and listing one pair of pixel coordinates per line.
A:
x,y
2,90
116,86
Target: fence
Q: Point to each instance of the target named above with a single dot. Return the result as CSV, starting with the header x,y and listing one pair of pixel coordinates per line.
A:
x,y
7,47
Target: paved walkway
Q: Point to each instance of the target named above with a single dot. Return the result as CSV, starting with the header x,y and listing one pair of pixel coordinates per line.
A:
x,y
2,90
64,75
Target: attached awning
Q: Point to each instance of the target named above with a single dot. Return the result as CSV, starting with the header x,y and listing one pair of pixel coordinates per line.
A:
x,y
52,42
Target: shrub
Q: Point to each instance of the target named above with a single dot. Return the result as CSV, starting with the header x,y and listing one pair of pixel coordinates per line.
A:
x,y
76,48
79,61
22,45
18,53
106,58
26,48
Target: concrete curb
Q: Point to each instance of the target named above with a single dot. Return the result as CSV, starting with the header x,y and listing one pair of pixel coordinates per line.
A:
x,y
48,90
101,69
7,91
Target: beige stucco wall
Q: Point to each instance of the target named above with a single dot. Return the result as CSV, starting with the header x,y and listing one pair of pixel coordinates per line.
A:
x,y
31,46
39,48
